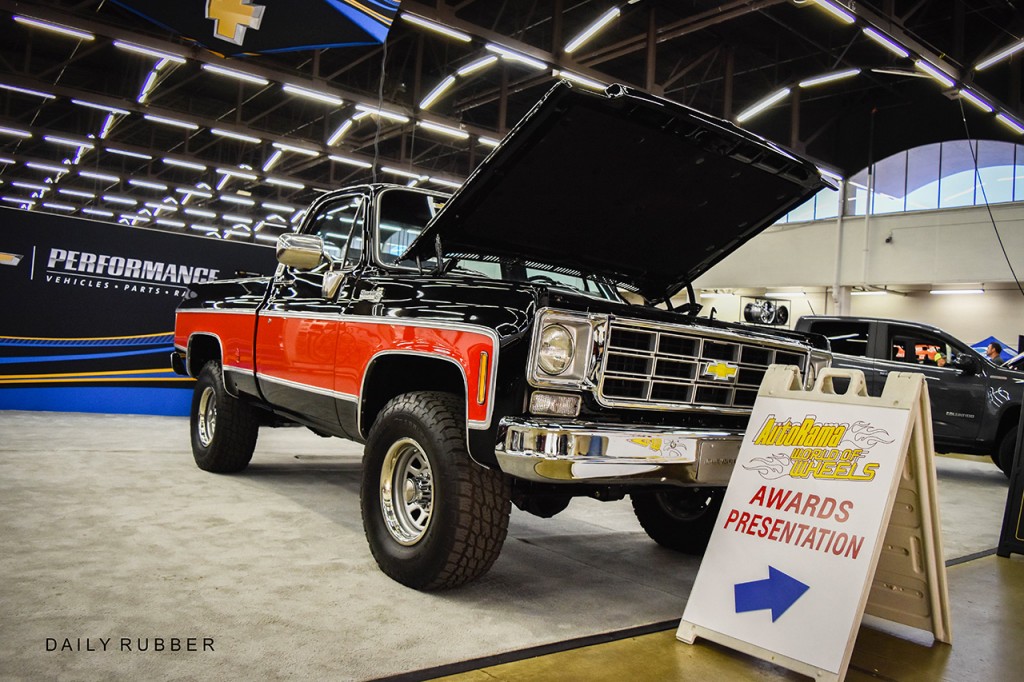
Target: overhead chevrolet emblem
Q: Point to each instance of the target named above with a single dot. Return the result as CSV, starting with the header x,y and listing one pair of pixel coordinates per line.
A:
x,y
721,371
232,17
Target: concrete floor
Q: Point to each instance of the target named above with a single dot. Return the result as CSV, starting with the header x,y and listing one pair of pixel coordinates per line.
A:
x,y
110,532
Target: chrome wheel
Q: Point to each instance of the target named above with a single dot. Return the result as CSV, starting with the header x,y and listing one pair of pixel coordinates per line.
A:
x,y
207,416
406,491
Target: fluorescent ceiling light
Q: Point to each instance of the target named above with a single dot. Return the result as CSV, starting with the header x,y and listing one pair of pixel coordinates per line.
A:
x,y
98,176
201,213
209,229
869,293
55,28
514,56
975,100
147,184
114,199
313,95
6,160
285,183
1000,56
19,200
886,42
149,52
14,132
340,132
436,93
184,164
46,167
437,28
757,108
383,113
125,152
68,142
58,207
349,161
785,294
445,183
274,158
1010,123
477,65
161,207
240,201
171,122
146,87
488,141
193,192
77,193
236,136
444,130
26,91
952,292
591,30
30,185
935,72
98,212
236,173
829,77
298,150
402,173
236,218
835,10
169,223
267,237
101,107
578,79
237,75
278,207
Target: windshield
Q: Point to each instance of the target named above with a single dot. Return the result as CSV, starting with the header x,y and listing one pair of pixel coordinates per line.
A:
x,y
404,214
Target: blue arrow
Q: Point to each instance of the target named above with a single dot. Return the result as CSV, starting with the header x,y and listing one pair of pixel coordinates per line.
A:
x,y
778,592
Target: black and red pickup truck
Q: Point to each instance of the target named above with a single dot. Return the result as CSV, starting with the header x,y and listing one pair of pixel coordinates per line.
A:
x,y
480,344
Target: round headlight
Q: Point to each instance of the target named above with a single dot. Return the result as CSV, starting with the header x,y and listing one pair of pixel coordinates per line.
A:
x,y
555,353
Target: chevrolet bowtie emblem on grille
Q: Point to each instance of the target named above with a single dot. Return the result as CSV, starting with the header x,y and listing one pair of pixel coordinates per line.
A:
x,y
232,17
721,371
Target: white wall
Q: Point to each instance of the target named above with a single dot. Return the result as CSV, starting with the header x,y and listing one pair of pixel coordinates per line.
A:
x,y
945,248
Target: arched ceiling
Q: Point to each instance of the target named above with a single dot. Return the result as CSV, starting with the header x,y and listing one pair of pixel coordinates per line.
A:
x,y
426,107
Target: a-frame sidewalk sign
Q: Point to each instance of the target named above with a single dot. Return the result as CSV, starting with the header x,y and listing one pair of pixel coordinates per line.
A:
x,y
831,512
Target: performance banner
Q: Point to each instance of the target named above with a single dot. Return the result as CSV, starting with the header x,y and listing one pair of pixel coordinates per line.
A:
x,y
88,311
263,26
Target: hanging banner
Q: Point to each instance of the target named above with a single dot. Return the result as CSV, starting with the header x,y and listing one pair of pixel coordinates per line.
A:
x,y
263,26
88,316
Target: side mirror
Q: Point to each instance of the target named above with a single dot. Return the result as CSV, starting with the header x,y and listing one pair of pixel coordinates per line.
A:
x,y
302,251
966,363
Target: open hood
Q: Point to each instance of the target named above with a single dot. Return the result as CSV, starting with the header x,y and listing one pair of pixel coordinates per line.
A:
x,y
644,191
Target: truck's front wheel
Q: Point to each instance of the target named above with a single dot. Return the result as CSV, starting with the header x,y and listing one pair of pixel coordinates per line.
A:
x,y
433,517
224,429
1006,450
679,519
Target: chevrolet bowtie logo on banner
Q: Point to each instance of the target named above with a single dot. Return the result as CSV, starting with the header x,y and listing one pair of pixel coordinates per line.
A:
x,y
261,26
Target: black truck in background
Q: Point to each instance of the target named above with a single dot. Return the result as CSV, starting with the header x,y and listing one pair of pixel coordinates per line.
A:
x,y
975,403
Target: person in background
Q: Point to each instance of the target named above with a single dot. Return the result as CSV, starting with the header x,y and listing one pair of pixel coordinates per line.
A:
x,y
940,360
994,352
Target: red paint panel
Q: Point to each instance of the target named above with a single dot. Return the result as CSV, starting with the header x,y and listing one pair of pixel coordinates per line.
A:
x,y
359,342
297,349
234,329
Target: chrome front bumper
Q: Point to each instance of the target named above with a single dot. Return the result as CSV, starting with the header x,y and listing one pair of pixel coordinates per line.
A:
x,y
549,451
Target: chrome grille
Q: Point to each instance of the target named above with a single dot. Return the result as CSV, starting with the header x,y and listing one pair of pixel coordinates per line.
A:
x,y
648,365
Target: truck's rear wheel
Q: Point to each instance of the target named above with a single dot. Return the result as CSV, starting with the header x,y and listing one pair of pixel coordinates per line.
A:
x,y
1005,451
679,519
224,429
433,517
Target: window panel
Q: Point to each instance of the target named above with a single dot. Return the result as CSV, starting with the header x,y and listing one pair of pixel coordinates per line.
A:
x,y
923,178
956,187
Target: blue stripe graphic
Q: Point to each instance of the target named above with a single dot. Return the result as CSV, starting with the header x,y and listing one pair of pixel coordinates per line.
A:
x,y
64,343
28,360
172,402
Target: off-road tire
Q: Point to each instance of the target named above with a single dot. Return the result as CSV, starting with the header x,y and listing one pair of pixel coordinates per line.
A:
x,y
452,514
681,520
1005,451
223,428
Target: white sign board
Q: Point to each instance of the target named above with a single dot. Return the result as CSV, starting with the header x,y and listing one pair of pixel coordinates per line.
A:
x,y
793,554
